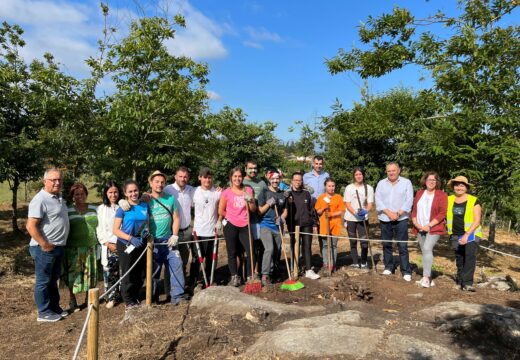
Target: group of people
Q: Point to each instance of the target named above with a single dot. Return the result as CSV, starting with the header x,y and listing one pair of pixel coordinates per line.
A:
x,y
250,213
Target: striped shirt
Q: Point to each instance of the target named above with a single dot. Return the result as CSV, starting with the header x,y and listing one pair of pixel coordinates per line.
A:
x,y
82,227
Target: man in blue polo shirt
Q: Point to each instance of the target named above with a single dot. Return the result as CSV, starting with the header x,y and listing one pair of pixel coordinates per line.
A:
x,y
315,179
48,225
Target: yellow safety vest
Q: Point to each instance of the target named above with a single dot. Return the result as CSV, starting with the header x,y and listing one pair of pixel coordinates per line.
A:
x,y
468,215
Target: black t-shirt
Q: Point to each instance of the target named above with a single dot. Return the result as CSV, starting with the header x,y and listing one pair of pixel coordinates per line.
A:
x,y
300,206
459,210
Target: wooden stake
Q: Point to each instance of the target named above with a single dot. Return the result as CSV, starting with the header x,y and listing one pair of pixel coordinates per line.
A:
x,y
149,268
93,322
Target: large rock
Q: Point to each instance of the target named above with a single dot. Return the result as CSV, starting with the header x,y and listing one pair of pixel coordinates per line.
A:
x,y
476,323
350,317
407,347
321,341
229,300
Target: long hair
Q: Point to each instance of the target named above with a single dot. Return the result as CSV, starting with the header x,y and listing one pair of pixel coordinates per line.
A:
x,y
108,185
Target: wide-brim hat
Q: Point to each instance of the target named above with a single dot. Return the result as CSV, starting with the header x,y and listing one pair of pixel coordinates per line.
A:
x,y
157,173
459,179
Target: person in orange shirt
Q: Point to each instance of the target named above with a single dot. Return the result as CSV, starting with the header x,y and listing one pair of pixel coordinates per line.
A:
x,y
330,205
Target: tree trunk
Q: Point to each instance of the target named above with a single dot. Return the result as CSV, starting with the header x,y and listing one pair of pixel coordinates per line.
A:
x,y
14,204
492,226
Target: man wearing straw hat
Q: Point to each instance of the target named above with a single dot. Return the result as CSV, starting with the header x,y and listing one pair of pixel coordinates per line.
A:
x,y
394,199
164,226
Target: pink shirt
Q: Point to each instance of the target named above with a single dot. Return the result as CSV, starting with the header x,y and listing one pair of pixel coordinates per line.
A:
x,y
236,207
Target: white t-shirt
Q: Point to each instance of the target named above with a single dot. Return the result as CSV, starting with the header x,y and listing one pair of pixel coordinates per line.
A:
x,y
350,197
206,211
184,202
424,208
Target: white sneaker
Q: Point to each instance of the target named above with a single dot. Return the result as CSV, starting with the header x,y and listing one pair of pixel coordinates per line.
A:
x,y
110,304
407,277
311,275
387,272
425,282
432,283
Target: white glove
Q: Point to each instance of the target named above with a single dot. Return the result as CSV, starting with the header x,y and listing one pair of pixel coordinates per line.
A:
x,y
124,204
173,241
247,197
218,226
326,199
271,201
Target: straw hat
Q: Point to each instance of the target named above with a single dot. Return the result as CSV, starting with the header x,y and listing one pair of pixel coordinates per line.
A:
x,y
459,179
157,173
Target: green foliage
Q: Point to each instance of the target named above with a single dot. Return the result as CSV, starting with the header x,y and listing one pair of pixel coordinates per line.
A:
x,y
154,120
234,140
476,75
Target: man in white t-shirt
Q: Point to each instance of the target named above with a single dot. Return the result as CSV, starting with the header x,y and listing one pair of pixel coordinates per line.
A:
x,y
207,222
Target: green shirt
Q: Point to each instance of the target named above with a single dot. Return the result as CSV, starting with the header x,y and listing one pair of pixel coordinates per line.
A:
x,y
258,186
82,227
160,218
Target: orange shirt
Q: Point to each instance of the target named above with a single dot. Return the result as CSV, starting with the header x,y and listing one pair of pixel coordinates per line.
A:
x,y
336,204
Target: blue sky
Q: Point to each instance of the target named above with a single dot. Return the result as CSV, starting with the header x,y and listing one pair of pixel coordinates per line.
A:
x,y
266,57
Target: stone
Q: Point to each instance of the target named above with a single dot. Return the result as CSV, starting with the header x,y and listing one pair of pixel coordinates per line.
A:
x,y
231,301
349,317
411,348
320,342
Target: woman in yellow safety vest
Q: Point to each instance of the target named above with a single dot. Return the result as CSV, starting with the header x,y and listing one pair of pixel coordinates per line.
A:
x,y
463,223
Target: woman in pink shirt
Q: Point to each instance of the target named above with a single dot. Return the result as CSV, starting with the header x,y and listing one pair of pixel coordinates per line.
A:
x,y
235,204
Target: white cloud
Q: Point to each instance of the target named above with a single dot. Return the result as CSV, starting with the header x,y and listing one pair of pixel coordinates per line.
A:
x,y
41,12
201,37
213,95
262,34
252,44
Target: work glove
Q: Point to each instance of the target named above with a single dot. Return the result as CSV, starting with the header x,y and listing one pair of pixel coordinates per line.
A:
x,y
361,213
137,242
271,201
247,197
124,204
327,200
218,227
173,241
280,221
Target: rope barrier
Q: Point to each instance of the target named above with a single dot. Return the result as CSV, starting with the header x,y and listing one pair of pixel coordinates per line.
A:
x,y
83,330
191,242
124,275
352,238
500,252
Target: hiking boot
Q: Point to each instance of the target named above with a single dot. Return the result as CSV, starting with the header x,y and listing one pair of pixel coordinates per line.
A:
x,y
235,281
310,274
387,272
49,317
265,280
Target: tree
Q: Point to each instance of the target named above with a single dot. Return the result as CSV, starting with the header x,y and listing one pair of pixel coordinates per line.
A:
x,y
475,69
155,118
234,140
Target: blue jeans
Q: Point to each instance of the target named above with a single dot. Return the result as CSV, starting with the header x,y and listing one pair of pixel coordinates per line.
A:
x,y
47,268
172,259
397,230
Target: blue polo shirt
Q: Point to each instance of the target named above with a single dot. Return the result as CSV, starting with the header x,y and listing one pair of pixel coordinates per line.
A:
x,y
317,182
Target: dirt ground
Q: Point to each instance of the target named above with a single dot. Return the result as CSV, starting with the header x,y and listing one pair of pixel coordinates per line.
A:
x,y
179,332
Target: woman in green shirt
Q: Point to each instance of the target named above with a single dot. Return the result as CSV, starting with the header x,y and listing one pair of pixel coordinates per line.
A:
x,y
80,261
